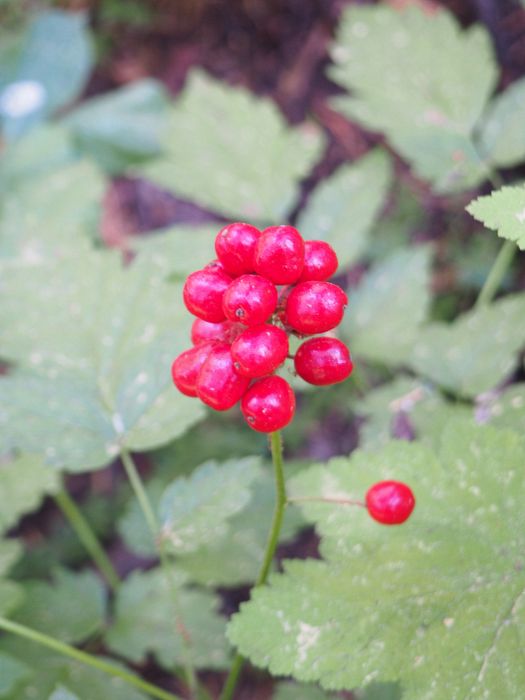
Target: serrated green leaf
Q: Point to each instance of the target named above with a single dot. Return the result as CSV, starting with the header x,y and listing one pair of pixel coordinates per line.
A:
x,y
12,672
62,693
386,311
436,604
502,137
143,622
293,691
213,154
427,113
342,208
465,356
504,212
24,483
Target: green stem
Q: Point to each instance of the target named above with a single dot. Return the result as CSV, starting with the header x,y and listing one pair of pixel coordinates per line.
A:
x,y
496,274
84,658
276,446
88,538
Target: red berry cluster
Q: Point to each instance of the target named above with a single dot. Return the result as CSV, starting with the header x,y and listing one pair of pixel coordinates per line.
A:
x,y
264,286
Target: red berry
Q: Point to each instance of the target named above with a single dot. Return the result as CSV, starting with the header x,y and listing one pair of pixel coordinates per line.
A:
x,y
218,384
235,248
320,261
269,404
390,502
203,293
279,255
323,361
185,369
259,350
250,300
315,307
206,332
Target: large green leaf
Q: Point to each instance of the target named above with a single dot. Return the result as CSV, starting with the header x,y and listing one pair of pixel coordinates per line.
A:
x,y
437,604
293,691
145,621
95,341
502,136
508,409
475,352
233,152
343,208
420,80
504,212
62,693
12,672
386,311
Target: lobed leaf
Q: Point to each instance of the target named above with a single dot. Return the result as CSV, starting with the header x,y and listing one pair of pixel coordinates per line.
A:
x,y
504,212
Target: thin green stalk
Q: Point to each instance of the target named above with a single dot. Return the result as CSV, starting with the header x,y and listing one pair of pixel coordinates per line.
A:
x,y
276,446
84,658
496,274
88,538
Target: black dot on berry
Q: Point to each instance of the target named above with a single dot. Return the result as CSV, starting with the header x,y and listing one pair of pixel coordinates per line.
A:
x,y
239,313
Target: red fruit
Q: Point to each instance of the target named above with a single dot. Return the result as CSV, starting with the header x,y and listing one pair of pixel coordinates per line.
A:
x,y
269,404
323,361
279,255
206,332
185,369
315,307
218,384
259,350
250,300
390,502
320,261
235,248
203,293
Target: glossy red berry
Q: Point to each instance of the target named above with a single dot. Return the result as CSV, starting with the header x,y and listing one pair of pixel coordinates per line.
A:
x,y
218,384
260,350
235,247
323,361
315,307
390,502
320,261
250,300
206,332
203,293
279,255
269,404
187,366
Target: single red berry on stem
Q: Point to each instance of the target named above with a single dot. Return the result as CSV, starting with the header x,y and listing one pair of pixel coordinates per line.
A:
x,y
323,361
320,261
206,332
259,350
390,502
269,404
218,384
187,366
315,307
279,255
235,247
250,300
203,293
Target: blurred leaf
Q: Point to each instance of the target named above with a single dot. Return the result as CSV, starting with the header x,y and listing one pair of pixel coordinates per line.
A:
x,y
11,593
143,622
343,207
475,352
9,552
12,672
123,127
504,212
233,153
502,137
422,81
386,311
403,217
508,409
293,691
62,693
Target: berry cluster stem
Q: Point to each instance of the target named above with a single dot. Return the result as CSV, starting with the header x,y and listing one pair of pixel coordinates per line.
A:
x,y
276,446
496,274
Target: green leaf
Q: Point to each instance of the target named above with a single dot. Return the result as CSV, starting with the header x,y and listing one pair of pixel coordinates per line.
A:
x,y
507,410
387,309
10,551
99,342
62,693
12,672
465,356
72,608
504,212
24,483
428,113
143,622
122,128
293,691
343,208
502,137
437,604
233,153
11,593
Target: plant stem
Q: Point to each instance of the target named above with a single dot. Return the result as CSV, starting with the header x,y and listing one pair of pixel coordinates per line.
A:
x,y
317,499
496,274
88,538
276,446
84,658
